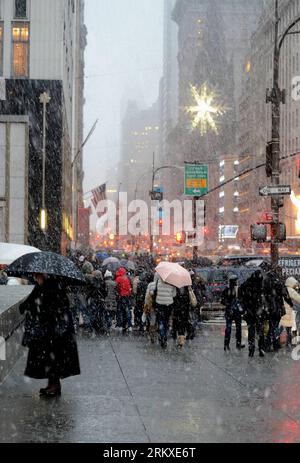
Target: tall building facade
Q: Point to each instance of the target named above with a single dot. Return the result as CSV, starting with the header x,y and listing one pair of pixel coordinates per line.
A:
x,y
169,83
213,41
42,46
140,140
255,121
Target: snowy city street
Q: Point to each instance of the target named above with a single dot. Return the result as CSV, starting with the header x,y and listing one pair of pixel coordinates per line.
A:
x,y
149,226
132,392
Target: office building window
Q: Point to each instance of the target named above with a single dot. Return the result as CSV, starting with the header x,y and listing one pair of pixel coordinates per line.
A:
x,y
1,48
21,9
20,60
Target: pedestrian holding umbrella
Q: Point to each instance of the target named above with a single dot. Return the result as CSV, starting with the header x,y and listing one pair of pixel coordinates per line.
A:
x,y
46,263
49,327
110,260
174,274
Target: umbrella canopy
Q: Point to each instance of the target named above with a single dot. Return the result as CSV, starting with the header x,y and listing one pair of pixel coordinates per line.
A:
x,y
174,274
110,260
9,252
128,264
47,263
102,255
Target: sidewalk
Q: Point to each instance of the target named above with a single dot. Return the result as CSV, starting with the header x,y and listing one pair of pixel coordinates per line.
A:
x,y
130,391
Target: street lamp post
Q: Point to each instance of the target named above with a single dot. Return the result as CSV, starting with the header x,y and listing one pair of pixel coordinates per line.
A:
x,y
276,97
74,184
44,100
154,172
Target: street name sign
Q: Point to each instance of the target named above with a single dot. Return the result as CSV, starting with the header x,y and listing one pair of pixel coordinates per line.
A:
x,y
276,190
196,179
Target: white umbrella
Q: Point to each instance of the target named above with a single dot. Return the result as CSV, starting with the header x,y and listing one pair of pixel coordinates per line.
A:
x,y
174,274
110,260
9,252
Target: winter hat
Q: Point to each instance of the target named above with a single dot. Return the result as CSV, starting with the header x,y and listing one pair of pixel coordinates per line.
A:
x,y
98,275
108,274
87,268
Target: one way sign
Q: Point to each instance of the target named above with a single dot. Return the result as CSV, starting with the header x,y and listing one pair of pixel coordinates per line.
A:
x,y
277,190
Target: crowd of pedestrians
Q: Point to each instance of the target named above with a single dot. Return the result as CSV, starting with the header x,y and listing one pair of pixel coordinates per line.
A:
x,y
126,300
161,301
268,304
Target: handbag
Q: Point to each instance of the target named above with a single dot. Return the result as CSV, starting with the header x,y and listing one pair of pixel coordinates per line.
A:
x,y
192,297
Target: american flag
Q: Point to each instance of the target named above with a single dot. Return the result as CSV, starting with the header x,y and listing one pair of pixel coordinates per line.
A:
x,y
99,194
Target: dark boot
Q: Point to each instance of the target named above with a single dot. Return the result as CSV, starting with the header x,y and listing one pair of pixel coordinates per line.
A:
x,y
52,390
251,351
240,346
289,338
226,346
163,343
261,353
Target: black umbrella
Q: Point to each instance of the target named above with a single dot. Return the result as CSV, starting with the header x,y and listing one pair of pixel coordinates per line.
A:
x,y
47,263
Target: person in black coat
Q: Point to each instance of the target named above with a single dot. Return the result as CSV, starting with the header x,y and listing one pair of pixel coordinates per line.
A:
x,y
233,313
181,316
275,293
144,280
251,296
49,335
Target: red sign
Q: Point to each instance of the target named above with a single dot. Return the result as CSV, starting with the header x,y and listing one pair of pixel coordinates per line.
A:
x,y
268,217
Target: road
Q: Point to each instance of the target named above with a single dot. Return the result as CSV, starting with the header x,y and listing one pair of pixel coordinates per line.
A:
x,y
130,391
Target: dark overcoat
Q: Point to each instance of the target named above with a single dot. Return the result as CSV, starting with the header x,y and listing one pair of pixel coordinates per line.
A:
x,y
49,333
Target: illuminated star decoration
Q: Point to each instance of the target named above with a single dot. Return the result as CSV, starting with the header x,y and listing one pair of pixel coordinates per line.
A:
x,y
206,111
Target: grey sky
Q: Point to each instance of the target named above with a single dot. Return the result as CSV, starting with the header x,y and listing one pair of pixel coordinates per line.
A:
x,y
123,60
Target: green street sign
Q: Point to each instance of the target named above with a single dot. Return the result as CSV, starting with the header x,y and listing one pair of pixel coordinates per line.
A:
x,y
196,179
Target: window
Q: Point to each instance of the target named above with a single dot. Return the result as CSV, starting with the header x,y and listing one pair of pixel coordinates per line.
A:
x,y
20,59
20,9
1,48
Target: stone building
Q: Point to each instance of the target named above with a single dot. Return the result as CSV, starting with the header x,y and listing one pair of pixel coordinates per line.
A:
x,y
42,46
255,120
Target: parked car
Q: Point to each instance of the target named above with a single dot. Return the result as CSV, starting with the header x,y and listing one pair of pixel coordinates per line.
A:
x,y
216,280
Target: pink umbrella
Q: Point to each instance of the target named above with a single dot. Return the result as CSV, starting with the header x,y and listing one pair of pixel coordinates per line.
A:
x,y
174,274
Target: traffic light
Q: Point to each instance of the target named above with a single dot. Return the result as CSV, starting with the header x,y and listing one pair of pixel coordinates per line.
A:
x,y
281,233
259,233
180,239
